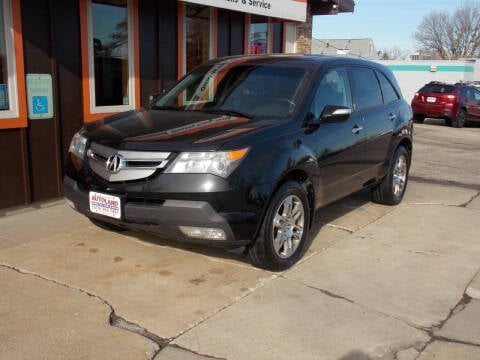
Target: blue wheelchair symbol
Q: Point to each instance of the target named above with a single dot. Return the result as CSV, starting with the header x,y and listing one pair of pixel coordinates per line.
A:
x,y
40,104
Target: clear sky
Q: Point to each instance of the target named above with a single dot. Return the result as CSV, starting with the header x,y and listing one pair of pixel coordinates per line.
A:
x,y
388,22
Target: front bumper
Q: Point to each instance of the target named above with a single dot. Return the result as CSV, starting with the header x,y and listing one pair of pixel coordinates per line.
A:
x,y
165,217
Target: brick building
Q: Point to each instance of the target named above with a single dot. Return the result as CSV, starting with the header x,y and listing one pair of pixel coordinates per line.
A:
x,y
66,62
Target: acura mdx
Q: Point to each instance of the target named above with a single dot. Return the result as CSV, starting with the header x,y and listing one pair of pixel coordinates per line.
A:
x,y
242,151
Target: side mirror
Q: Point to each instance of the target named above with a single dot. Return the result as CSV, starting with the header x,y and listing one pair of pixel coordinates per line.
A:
x,y
333,113
153,97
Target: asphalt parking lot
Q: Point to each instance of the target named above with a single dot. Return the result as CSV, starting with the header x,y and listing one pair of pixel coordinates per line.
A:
x,y
378,282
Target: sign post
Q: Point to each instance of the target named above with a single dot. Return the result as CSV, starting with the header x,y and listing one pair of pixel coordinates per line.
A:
x,y
39,96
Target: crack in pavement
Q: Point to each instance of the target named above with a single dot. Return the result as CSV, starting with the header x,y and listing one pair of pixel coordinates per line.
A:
x,y
343,228
340,297
390,351
121,323
471,200
114,320
454,341
460,306
175,346
262,282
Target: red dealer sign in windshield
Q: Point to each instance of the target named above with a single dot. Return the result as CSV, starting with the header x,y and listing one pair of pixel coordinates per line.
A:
x,y
284,9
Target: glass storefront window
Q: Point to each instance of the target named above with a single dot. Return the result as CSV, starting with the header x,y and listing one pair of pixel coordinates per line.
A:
x,y
197,35
258,41
8,89
111,56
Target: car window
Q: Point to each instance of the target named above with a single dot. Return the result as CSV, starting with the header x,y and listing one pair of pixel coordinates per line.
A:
x,y
266,90
476,94
438,88
334,89
468,93
365,88
388,91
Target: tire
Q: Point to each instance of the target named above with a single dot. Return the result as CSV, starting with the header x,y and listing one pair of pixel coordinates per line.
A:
x,y
107,226
392,188
418,118
460,119
283,237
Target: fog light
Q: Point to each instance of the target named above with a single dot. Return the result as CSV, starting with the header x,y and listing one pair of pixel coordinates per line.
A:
x,y
203,233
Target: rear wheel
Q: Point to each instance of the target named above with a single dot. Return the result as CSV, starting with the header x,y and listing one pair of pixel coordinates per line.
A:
x,y
283,237
392,188
460,119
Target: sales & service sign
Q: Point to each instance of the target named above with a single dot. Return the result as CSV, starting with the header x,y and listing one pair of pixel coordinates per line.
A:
x,y
283,9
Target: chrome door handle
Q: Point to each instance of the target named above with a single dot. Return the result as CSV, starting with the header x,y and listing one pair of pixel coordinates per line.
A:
x,y
356,129
392,117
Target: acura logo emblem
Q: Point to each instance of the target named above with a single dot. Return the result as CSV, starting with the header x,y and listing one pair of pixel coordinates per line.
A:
x,y
115,163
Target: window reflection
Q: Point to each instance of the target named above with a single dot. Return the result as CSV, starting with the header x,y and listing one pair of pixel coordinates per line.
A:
x,y
253,90
197,35
258,35
110,48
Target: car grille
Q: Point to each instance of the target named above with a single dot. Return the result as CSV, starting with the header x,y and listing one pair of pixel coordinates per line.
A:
x,y
121,165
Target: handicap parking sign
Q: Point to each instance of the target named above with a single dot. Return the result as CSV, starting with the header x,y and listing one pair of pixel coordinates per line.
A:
x,y
39,96
40,105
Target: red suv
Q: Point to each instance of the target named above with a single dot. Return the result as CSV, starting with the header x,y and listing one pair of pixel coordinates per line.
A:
x,y
456,103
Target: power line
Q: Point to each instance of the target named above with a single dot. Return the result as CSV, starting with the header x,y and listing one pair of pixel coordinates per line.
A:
x,y
334,47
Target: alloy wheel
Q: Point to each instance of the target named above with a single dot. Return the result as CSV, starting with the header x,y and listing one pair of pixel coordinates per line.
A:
x,y
400,175
288,226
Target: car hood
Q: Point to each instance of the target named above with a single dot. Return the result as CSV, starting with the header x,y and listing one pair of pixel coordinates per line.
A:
x,y
161,130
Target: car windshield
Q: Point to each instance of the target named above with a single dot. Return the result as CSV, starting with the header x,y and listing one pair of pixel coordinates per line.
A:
x,y
438,88
248,90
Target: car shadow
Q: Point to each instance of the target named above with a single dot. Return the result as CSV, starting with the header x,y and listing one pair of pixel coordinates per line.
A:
x,y
325,215
431,121
441,122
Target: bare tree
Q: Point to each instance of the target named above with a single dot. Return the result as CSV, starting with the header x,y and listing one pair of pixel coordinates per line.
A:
x,y
394,53
452,36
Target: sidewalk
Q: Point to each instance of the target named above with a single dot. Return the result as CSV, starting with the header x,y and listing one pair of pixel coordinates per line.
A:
x,y
378,282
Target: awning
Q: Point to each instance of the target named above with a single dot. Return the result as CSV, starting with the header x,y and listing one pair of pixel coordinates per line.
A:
x,y
330,7
283,9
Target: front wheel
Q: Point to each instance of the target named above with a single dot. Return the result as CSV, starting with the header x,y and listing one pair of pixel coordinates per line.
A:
x,y
392,188
283,236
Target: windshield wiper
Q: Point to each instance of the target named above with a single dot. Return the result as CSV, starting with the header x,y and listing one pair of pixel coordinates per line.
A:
x,y
228,112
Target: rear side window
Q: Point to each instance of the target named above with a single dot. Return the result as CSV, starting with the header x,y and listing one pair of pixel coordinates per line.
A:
x,y
476,94
437,88
365,88
388,91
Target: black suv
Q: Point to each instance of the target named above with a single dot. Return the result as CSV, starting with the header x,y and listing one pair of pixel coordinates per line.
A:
x,y
242,151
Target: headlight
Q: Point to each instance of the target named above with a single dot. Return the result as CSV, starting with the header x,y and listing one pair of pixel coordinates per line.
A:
x,y
220,163
78,145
